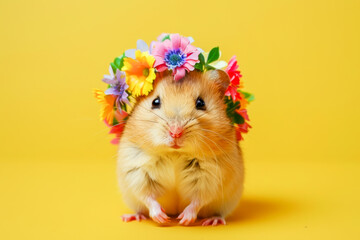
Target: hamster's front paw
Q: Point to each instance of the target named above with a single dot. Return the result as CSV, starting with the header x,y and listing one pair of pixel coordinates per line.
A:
x,y
188,216
157,213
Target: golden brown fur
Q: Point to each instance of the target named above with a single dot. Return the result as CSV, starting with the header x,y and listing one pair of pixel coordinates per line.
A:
x,y
207,170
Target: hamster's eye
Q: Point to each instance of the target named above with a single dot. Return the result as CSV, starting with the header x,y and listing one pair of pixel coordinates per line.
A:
x,y
156,103
200,104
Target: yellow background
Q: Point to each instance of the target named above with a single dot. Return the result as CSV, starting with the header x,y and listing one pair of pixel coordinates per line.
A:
x,y
300,58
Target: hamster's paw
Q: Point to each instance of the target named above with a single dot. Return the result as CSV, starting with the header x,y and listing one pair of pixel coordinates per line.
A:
x,y
158,214
188,216
131,217
214,221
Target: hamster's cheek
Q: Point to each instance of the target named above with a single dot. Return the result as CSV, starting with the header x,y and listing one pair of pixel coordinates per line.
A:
x,y
157,137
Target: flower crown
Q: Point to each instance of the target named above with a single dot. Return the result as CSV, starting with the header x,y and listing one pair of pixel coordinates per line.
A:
x,y
133,73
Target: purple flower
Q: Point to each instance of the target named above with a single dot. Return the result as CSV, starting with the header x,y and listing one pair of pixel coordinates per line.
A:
x,y
117,86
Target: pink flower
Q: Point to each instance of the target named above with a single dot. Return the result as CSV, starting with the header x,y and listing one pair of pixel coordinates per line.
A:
x,y
175,54
234,74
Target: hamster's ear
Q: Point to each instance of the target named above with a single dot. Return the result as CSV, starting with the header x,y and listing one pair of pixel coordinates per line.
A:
x,y
220,77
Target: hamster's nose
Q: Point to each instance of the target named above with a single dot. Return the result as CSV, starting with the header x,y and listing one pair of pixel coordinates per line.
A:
x,y
176,131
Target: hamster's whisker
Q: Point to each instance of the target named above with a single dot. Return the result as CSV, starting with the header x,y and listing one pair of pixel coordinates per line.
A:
x,y
154,114
138,145
193,118
225,138
218,170
144,120
217,146
217,165
191,126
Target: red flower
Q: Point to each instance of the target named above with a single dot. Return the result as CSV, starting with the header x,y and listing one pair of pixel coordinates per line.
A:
x,y
234,74
118,128
242,128
243,113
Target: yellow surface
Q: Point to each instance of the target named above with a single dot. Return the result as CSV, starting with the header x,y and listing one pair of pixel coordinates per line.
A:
x,y
300,58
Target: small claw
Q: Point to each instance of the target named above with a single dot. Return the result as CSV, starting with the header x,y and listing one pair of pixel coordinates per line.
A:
x,y
156,212
187,220
214,221
161,218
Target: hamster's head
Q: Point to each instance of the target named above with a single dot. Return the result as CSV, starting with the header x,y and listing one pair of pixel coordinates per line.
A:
x,y
188,115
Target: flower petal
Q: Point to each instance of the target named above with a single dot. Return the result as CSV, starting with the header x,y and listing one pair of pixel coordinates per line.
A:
x,y
111,91
219,64
159,49
142,46
159,61
191,40
188,66
194,56
184,44
111,72
130,53
152,45
176,41
115,141
179,73
161,68
109,80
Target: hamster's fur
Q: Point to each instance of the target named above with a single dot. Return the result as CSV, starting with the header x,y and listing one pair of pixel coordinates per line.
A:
x,y
197,174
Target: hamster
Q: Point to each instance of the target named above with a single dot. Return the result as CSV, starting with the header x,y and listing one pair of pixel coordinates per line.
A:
x,y
178,155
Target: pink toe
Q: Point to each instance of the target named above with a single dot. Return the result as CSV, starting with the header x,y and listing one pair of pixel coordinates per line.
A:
x,y
215,222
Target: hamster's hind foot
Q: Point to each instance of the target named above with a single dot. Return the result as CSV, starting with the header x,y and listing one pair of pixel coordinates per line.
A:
x,y
214,221
131,217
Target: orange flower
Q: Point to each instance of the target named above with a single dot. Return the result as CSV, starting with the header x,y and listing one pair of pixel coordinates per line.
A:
x,y
140,73
107,110
243,101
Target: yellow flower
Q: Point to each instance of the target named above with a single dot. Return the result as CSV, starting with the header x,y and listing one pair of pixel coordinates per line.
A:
x,y
140,73
107,110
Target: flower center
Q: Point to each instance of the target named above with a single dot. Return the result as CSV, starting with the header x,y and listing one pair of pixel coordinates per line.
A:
x,y
175,58
121,90
146,72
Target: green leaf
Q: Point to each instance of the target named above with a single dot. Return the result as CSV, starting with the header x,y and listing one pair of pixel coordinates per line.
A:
x,y
237,118
119,62
231,106
208,67
115,122
202,58
166,37
248,96
214,55
199,67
